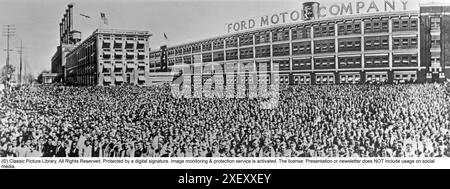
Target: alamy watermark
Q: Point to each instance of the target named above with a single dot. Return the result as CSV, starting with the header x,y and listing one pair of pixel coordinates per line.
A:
x,y
230,80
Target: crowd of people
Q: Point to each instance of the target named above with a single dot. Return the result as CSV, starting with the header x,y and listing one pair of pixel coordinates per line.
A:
x,y
407,120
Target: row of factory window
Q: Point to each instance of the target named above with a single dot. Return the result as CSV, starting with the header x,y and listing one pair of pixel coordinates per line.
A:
x,y
329,78
120,70
321,46
118,67
120,38
381,60
119,55
121,46
76,59
83,80
140,69
375,25
120,79
83,70
126,45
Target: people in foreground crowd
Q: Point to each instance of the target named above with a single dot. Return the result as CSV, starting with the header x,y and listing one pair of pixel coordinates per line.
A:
x,y
407,120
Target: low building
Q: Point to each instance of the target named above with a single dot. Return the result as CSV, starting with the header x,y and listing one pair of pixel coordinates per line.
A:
x,y
49,78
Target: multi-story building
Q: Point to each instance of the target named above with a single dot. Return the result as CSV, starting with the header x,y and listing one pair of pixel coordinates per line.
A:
x,y
110,57
404,45
435,42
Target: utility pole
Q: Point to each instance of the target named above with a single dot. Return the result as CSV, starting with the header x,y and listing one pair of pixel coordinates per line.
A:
x,y
9,31
20,51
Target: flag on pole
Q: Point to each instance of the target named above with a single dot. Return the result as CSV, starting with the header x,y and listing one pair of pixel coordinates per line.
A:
x,y
86,16
103,17
165,36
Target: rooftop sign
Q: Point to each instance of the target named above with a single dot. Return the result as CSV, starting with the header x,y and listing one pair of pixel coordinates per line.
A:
x,y
316,10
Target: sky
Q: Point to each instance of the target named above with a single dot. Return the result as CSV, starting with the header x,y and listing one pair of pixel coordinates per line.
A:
x,y
183,21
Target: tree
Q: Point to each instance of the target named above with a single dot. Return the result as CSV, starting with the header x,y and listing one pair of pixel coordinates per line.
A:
x,y
28,78
4,75
39,78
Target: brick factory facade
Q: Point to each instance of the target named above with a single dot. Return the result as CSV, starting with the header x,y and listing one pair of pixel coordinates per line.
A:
x,y
400,45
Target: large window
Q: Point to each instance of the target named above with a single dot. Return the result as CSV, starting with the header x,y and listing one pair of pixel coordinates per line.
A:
x,y
301,64
245,40
376,43
218,44
404,23
435,23
280,50
246,53
403,76
283,65
302,79
324,46
376,77
262,51
349,27
324,63
170,52
280,35
206,46
196,48
231,42
325,79
404,42
301,48
350,62
187,59
350,44
171,61
232,54
282,79
301,33
218,56
178,60
404,60
206,57
376,25
187,50
435,42
324,30
381,60
349,78
178,51
262,37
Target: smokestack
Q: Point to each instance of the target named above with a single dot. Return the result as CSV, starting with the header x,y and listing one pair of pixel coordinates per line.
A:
x,y
60,32
63,21
70,14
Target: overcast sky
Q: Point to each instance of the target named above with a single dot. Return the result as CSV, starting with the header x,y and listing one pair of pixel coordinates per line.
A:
x,y
37,21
